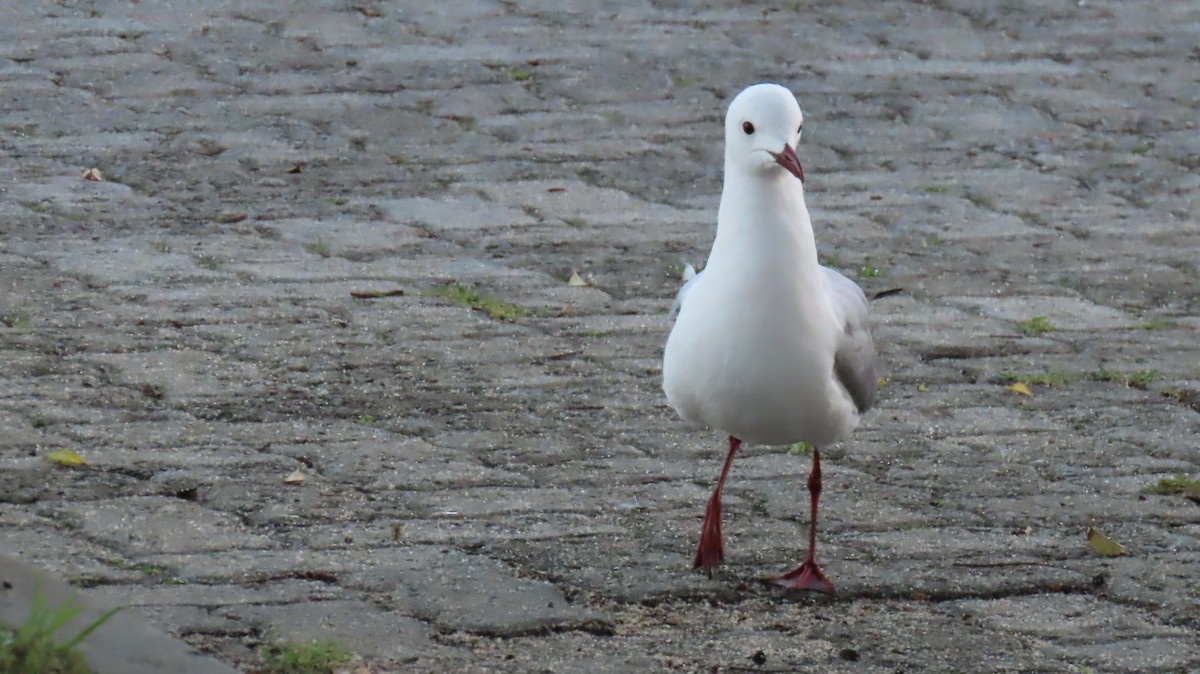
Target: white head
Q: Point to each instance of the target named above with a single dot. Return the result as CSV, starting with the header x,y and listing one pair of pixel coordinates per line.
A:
x,y
762,129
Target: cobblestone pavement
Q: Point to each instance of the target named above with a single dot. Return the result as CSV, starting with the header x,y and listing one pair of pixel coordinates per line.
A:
x,y
482,494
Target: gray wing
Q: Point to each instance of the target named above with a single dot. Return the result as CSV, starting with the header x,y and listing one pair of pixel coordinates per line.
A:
x,y
689,277
854,364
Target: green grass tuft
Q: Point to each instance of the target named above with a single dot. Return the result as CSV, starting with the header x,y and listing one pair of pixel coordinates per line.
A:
x,y
1175,485
869,270
1034,326
469,297
33,648
520,75
1154,324
17,320
314,657
1139,380
321,247
801,449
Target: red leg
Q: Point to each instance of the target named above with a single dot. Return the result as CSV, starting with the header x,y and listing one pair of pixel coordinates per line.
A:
x,y
711,550
808,575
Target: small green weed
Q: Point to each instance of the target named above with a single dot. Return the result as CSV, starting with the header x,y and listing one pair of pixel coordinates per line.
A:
x,y
33,648
1154,324
1175,485
314,657
1034,326
321,247
469,297
801,449
936,189
1139,380
519,75
869,270
17,320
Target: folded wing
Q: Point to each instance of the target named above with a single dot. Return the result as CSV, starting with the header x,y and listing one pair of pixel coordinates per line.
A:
x,y
854,364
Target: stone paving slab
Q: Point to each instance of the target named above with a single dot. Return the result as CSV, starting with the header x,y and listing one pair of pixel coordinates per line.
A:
x,y
512,496
123,644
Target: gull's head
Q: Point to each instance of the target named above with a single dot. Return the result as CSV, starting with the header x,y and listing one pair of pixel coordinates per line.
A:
x,y
762,130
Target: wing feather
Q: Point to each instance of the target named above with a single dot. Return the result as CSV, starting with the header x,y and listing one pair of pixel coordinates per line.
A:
x,y
854,364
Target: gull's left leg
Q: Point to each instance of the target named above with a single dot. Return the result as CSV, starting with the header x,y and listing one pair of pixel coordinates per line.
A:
x,y
808,575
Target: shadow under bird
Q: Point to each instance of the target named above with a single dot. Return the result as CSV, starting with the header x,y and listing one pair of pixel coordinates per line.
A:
x,y
768,346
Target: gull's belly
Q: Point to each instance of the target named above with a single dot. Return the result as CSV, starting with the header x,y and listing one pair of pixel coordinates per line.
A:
x,y
765,386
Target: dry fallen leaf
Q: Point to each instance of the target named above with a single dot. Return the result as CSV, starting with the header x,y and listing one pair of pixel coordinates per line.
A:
x,y
298,167
210,148
1103,545
296,477
1021,388
93,174
576,280
65,457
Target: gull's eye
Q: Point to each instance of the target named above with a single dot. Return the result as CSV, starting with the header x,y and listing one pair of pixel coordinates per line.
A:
x,y
748,128
800,129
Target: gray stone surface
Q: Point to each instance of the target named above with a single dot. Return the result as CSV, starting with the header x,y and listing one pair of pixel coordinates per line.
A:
x,y
123,643
484,495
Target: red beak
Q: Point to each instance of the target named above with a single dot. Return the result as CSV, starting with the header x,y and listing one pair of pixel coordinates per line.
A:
x,y
788,160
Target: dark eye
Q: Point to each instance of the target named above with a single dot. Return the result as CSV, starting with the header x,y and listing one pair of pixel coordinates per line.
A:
x,y
748,128
800,129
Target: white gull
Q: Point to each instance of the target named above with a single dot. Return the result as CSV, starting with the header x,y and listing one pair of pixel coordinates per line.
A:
x,y
768,346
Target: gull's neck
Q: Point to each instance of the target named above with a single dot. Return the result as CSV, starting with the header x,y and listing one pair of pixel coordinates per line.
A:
x,y
763,219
